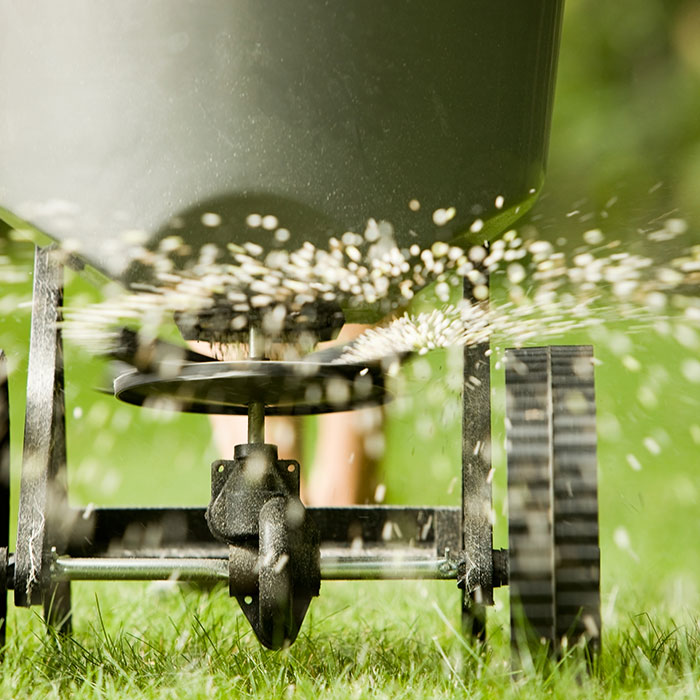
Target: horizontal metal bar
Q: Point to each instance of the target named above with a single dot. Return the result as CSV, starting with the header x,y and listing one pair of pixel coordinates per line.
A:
x,y
349,568
139,569
100,530
333,567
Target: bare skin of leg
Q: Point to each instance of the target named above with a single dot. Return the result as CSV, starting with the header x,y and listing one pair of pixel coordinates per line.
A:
x,y
348,448
348,445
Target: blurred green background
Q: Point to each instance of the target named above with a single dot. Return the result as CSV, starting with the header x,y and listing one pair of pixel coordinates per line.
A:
x,y
624,156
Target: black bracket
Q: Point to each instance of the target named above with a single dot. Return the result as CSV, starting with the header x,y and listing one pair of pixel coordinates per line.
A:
x,y
241,486
256,509
4,495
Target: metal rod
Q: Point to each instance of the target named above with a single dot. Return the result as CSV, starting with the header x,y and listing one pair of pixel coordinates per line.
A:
x,y
349,568
333,567
139,569
256,409
256,344
256,423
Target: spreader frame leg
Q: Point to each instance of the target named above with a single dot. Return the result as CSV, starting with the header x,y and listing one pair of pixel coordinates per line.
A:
x,y
477,526
4,495
43,523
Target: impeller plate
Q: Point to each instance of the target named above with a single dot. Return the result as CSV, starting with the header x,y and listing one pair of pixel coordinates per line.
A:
x,y
286,388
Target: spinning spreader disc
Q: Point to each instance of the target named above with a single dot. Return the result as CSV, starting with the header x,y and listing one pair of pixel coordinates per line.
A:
x,y
285,388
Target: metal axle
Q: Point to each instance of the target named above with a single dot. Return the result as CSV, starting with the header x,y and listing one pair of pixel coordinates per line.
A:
x,y
333,567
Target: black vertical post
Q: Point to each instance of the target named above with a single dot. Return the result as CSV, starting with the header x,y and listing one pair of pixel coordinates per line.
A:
x,y
477,526
4,495
43,518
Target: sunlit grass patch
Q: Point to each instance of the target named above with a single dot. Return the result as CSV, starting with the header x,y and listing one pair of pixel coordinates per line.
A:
x,y
381,640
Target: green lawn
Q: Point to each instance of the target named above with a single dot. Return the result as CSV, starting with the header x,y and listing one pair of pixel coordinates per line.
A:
x,y
624,155
379,639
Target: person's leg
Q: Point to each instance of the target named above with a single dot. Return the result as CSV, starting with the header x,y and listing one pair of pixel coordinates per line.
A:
x,y
348,448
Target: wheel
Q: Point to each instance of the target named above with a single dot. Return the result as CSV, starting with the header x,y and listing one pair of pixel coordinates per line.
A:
x,y
554,557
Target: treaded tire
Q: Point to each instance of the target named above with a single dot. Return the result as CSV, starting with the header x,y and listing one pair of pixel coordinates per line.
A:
x,y
554,556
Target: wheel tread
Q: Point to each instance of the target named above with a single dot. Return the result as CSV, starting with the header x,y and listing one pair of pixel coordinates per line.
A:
x,y
552,491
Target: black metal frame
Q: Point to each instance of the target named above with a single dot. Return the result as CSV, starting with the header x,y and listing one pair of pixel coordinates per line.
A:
x,y
48,527
4,495
42,527
102,531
